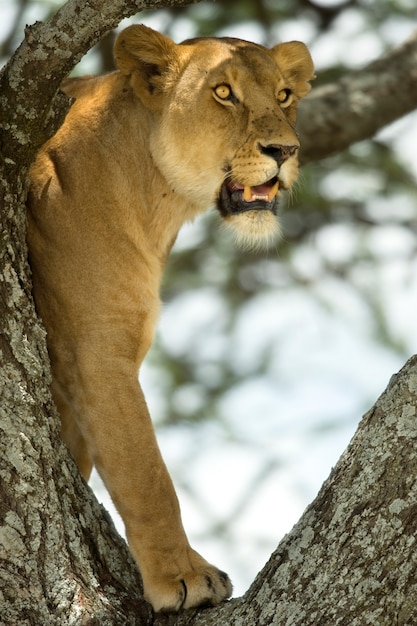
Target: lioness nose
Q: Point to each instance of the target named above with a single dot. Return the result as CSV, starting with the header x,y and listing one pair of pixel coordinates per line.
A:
x,y
278,152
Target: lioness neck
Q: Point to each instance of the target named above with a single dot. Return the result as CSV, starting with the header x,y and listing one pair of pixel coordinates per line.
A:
x,y
106,137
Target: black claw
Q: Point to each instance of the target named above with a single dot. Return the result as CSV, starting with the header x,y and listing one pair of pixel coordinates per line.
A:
x,y
184,598
210,583
207,603
223,577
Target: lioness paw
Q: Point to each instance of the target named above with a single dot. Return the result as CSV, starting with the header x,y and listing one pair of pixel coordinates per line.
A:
x,y
204,586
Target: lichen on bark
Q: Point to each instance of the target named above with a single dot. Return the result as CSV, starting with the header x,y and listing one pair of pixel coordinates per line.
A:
x,y
352,558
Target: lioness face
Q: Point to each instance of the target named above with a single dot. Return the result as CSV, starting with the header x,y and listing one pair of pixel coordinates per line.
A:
x,y
226,114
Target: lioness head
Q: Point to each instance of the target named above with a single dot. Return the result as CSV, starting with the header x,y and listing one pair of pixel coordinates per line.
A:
x,y
225,111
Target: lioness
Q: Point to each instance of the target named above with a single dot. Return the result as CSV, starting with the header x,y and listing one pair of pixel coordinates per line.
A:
x,y
177,129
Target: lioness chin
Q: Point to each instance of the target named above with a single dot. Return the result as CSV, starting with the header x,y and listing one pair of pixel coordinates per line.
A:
x,y
177,129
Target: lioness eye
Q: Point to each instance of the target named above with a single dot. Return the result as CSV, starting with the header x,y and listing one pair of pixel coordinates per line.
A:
x,y
223,92
284,96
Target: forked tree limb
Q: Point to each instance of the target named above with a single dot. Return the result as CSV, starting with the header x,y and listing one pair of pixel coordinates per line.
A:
x,y
352,557
353,552
61,562
29,83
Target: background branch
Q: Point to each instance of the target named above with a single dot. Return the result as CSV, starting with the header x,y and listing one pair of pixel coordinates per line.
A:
x,y
335,116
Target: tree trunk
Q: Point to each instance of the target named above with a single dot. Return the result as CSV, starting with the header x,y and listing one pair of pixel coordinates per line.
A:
x,y
61,561
351,558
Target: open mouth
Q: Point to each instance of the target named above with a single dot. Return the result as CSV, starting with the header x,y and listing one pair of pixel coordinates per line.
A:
x,y
236,198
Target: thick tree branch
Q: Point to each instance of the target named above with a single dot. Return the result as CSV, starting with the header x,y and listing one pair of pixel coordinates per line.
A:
x,y
61,562
29,82
335,116
352,558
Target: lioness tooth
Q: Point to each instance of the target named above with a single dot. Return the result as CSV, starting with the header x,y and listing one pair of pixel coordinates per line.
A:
x,y
247,194
273,191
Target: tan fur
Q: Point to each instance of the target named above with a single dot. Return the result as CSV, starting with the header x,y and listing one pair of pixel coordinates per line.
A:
x,y
141,151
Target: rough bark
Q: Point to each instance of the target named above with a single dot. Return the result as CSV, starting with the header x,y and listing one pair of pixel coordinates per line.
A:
x,y
29,83
350,558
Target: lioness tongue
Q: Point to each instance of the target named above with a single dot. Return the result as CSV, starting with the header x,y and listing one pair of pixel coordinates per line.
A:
x,y
260,192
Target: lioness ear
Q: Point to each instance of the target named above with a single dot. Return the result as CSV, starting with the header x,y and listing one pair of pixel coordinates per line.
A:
x,y
296,64
146,56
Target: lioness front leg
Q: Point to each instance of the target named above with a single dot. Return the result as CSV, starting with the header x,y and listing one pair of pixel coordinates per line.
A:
x,y
122,445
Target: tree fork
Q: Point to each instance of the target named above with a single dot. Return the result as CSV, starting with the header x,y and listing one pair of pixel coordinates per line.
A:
x,y
352,555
